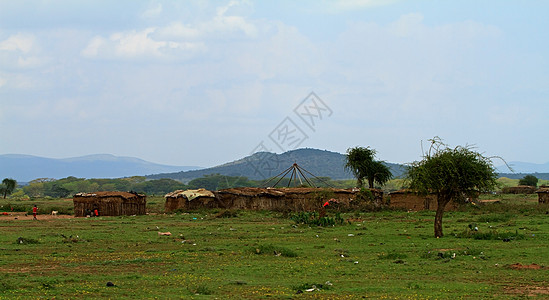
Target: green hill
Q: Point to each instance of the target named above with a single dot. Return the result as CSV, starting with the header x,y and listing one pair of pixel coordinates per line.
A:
x,y
263,165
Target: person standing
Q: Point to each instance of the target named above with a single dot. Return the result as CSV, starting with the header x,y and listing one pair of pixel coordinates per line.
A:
x,y
34,211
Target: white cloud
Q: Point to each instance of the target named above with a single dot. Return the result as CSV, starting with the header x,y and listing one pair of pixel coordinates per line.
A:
x,y
175,40
337,6
19,43
153,12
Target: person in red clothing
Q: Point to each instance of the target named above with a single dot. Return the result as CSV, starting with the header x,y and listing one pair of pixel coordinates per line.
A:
x,y
96,212
34,211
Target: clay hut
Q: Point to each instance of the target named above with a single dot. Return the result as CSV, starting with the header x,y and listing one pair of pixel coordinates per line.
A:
x,y
110,203
410,200
521,189
543,195
290,199
190,199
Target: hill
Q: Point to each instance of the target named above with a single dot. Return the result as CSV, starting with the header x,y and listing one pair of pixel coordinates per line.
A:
x,y
524,167
24,168
263,165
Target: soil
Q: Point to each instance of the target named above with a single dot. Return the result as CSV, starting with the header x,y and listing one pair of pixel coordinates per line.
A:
x,y
528,290
18,216
519,266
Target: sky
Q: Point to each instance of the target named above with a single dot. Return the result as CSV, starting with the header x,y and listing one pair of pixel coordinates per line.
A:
x,y
202,83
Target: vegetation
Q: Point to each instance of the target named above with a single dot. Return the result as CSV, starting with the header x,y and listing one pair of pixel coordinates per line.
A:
x,y
529,180
451,174
360,161
258,255
7,186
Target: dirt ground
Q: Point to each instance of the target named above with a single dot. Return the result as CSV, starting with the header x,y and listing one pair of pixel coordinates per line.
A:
x,y
18,216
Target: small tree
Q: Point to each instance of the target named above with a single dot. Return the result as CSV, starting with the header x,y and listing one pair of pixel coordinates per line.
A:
x,y
529,180
360,161
8,186
451,174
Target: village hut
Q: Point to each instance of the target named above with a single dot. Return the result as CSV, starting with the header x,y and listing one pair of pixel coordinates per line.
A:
x,y
543,195
110,203
190,199
521,189
410,200
290,199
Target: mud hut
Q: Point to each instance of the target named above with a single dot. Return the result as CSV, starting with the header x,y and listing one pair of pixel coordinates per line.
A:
x,y
110,203
521,189
543,195
290,199
413,201
190,199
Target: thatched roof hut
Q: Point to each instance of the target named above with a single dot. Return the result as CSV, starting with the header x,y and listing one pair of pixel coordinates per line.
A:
x,y
189,199
110,203
521,189
276,199
413,201
289,199
543,195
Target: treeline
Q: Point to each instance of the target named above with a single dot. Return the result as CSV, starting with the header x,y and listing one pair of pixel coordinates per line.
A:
x,y
66,187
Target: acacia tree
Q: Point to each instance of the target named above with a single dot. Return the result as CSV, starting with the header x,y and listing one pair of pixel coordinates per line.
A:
x,y
530,180
451,174
8,186
360,161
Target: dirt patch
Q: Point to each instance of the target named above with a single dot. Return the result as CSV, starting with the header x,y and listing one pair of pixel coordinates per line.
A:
x,y
528,290
489,201
519,266
18,216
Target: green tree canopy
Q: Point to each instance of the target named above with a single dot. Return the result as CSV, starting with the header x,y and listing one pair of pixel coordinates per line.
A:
x,y
451,174
8,186
530,180
361,162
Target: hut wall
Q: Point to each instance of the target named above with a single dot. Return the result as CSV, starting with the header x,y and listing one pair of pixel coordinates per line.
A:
x,y
543,197
110,206
521,189
415,202
275,200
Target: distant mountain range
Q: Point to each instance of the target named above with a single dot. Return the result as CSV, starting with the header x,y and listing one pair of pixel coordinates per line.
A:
x,y
524,167
25,168
264,165
261,165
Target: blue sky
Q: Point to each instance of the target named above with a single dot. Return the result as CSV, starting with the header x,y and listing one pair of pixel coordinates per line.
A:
x,y
206,82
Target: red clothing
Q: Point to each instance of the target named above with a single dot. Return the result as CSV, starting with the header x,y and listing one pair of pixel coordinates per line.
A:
x,y
96,213
34,210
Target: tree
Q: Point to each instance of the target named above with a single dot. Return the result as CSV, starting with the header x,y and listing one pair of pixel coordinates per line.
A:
x,y
360,161
530,180
451,174
8,186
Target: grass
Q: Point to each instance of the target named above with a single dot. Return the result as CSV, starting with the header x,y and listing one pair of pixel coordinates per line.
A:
x,y
258,255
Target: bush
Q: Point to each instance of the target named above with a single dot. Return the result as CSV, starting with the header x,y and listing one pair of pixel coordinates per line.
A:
x,y
312,218
274,250
491,235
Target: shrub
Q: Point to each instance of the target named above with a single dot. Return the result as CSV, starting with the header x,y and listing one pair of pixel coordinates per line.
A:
x,y
312,218
274,250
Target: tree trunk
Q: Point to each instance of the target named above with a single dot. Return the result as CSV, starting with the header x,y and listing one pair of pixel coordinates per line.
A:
x,y
441,204
371,182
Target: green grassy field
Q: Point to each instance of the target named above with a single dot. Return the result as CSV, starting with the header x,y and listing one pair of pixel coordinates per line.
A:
x,y
260,255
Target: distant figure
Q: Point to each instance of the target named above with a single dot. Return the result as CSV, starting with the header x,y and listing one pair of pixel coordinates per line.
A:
x,y
34,211
96,212
88,212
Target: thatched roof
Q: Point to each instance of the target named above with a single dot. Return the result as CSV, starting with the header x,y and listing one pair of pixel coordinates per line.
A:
x,y
190,194
276,192
124,195
543,190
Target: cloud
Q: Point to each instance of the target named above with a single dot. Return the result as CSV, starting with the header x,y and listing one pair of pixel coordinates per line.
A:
x,y
176,40
339,6
18,43
153,12
137,44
